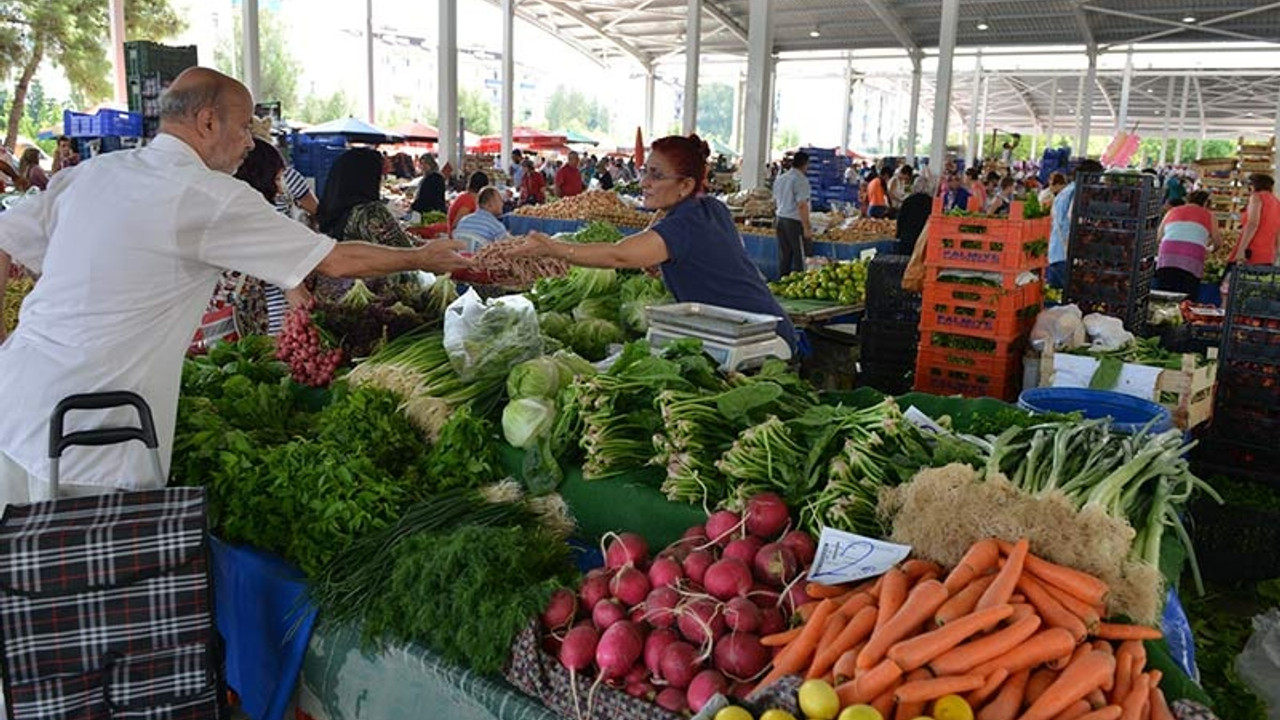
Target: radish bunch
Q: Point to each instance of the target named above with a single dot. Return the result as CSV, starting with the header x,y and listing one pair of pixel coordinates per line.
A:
x,y
684,625
301,347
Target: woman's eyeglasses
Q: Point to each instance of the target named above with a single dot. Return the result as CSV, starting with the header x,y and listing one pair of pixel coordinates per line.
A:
x,y
656,175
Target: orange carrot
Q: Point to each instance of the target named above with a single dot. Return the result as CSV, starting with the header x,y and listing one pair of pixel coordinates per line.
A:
x,y
1087,613
1137,698
916,568
1120,631
1050,609
1039,682
1001,589
884,702
818,591
845,691
920,605
922,648
796,655
1078,583
1006,704
1021,610
962,602
782,638
1087,672
964,658
1124,677
1074,711
851,633
806,610
871,683
847,666
893,592
911,711
1017,599
1110,712
1159,707
1104,646
1062,661
853,604
992,685
1042,647
980,557
926,690
1097,698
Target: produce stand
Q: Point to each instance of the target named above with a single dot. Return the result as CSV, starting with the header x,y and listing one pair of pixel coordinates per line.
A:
x,y
805,312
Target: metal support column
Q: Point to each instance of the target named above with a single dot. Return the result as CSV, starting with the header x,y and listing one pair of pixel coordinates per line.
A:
x,y
251,66
1086,102
448,84
368,60
942,94
1182,119
692,50
650,88
1053,115
1275,173
739,111
973,153
1168,118
982,121
1126,87
508,9
846,105
755,149
117,53
913,112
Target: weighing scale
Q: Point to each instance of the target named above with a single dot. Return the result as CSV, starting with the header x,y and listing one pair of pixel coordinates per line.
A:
x,y
737,340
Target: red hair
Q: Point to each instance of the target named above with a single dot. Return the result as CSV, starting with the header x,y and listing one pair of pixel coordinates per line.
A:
x,y
688,157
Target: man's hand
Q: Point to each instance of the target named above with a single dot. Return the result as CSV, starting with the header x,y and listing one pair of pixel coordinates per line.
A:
x,y
536,244
297,297
441,256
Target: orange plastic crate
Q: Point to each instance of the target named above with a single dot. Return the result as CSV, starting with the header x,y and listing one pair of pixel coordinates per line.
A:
x,y
996,312
991,244
940,371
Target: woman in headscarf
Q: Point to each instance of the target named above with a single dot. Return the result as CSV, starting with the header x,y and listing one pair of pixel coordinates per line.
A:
x,y
352,208
430,197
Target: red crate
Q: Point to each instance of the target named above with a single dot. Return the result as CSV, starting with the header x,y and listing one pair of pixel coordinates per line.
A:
x,y
997,312
984,243
940,371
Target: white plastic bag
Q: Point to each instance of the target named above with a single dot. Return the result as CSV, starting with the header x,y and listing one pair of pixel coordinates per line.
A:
x,y
1259,664
1060,325
1106,332
484,339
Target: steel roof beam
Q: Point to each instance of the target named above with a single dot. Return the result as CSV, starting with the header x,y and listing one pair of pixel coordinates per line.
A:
x,y
556,31
893,24
1181,27
714,10
566,9
1026,101
1201,25
627,13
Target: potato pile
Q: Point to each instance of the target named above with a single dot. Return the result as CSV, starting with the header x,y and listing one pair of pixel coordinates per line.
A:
x,y
756,203
591,205
861,230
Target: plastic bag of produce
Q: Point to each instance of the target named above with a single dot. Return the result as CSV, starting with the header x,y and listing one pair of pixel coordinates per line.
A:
x,y
1259,664
485,338
1106,332
1063,326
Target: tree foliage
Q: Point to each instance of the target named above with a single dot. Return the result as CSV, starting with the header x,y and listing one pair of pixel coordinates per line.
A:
x,y
478,111
786,138
41,112
280,69
321,108
716,111
574,110
73,34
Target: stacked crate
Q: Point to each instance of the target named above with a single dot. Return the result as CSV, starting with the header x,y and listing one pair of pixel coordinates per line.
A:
x,y
1251,157
1217,177
984,287
826,178
149,68
1246,417
890,330
1111,254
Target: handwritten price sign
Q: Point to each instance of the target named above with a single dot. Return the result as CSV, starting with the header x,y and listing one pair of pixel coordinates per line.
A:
x,y
845,557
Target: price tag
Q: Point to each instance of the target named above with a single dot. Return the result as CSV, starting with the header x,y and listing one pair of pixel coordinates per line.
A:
x,y
868,254
922,421
845,557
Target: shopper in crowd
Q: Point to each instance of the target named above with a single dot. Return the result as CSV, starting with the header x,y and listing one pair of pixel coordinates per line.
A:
x,y
956,196
1002,200
467,201
977,189
791,195
1057,181
695,243
1187,233
165,220
1175,193
878,194
1260,224
9,169
900,186
588,170
569,177
483,226
914,214
516,170
430,195
64,155
604,174
1060,232
533,186
30,171
351,206
294,190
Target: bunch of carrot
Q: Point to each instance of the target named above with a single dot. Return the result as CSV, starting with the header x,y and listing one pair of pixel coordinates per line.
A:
x,y
1019,637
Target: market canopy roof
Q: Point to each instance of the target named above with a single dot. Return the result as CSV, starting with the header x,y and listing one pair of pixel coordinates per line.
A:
x,y
354,130
418,132
577,138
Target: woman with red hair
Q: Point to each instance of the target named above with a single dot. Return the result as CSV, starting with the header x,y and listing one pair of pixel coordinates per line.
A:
x,y
692,240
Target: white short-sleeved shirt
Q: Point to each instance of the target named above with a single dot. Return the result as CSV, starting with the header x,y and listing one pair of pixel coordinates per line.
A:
x,y
129,246
789,190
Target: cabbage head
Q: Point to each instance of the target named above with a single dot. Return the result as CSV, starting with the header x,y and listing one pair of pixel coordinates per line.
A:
x,y
527,419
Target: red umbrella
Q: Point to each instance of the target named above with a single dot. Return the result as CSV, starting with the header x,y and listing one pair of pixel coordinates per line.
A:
x,y
639,148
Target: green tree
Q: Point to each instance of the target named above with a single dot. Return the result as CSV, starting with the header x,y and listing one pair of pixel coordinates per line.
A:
x,y
716,111
573,110
787,138
41,112
478,111
74,35
317,108
280,69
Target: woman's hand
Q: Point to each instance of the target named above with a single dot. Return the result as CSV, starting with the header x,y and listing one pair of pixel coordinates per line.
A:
x,y
441,256
535,244
297,297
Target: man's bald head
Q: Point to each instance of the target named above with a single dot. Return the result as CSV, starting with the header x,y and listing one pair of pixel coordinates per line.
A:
x,y
196,89
211,112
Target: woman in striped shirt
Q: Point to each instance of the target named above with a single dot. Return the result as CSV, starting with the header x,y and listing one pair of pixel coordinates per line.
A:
x,y
1187,233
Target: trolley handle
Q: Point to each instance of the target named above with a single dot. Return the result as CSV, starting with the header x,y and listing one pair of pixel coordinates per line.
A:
x,y
145,432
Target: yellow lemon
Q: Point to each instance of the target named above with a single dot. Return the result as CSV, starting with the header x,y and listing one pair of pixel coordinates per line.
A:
x,y
733,712
818,700
860,712
776,714
952,707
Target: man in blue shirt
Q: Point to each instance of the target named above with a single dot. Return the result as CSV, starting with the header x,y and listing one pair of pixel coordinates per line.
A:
x,y
1056,276
795,237
482,226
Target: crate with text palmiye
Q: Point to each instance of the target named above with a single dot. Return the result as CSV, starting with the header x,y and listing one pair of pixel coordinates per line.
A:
x,y
975,242
947,371
988,304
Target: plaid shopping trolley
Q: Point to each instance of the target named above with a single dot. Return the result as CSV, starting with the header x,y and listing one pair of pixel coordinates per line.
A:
x,y
106,602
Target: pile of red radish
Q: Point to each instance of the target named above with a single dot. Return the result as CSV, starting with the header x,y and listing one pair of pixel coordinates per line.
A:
x,y
685,625
300,346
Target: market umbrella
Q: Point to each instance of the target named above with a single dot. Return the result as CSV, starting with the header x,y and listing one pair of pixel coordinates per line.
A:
x,y
576,138
416,133
355,130
719,148
639,147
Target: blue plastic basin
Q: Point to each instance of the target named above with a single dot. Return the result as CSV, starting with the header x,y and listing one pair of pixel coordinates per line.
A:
x,y
1127,413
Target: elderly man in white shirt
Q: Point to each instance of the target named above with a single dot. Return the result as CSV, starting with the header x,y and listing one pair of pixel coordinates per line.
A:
x,y
128,247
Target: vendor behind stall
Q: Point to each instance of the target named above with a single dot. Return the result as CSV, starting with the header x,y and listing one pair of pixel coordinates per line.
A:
x,y
695,243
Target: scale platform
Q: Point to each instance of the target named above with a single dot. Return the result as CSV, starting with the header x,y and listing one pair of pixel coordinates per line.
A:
x,y
737,340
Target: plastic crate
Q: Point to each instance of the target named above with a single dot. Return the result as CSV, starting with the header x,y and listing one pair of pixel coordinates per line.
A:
x,y
1235,542
945,372
104,123
1119,195
143,57
833,365
1192,337
990,244
1249,343
1101,287
1248,398
886,300
889,342
1118,247
1254,293
995,312
1219,454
